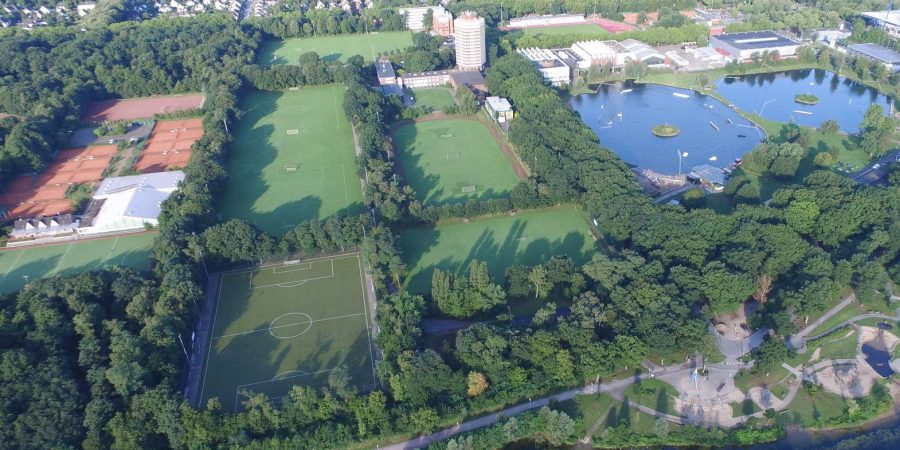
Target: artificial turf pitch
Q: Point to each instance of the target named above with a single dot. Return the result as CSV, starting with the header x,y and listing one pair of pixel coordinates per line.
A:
x,y
335,47
527,238
281,325
19,265
293,160
443,159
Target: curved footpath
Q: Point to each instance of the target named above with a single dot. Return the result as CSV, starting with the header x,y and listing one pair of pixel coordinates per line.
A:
x,y
616,388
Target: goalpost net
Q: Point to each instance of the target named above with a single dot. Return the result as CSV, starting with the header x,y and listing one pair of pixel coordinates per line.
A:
x,y
290,168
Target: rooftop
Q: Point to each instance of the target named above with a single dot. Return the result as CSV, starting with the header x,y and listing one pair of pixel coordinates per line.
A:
x,y
887,17
471,78
160,180
499,104
385,69
709,173
752,40
878,52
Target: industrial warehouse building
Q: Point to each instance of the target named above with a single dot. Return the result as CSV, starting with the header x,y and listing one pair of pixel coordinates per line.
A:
x,y
875,52
129,203
745,46
551,66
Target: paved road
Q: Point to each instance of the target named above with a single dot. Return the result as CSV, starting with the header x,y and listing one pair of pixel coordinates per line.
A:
x,y
871,175
798,340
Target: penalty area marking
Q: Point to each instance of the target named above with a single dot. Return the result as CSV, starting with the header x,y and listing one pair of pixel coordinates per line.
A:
x,y
291,266
294,283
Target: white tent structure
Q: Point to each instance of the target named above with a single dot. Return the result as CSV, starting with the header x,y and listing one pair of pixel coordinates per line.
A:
x,y
128,203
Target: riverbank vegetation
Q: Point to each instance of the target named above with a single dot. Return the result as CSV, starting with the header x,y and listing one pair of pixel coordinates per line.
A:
x,y
806,99
665,130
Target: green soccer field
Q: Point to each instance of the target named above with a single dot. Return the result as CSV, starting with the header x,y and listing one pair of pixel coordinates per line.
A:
x,y
529,238
285,325
18,266
292,160
334,47
453,160
437,98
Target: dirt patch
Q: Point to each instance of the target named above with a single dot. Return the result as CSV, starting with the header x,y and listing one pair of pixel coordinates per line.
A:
x,y
734,325
140,108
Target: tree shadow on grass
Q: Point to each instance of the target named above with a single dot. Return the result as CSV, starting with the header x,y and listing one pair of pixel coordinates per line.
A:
x,y
15,279
418,243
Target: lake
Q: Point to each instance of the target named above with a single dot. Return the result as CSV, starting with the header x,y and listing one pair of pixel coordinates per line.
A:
x,y
771,95
622,115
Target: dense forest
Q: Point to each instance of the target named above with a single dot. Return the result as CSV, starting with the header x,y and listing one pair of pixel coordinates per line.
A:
x,y
94,361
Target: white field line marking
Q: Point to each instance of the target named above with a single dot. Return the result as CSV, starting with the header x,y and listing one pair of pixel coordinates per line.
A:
x,y
12,267
291,268
69,248
212,328
108,254
294,283
288,325
365,297
287,378
280,264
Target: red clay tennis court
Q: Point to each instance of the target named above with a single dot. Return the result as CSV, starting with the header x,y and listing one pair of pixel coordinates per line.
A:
x,y
45,194
613,26
169,145
140,108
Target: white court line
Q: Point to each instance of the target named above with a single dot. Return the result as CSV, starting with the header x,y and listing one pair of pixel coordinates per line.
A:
x,y
285,326
12,267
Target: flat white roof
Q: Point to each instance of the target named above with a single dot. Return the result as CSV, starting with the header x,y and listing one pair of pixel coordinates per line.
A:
x,y
159,180
888,17
499,104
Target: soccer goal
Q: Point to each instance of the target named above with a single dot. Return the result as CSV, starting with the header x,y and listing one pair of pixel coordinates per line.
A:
x,y
446,135
293,131
451,156
290,168
469,189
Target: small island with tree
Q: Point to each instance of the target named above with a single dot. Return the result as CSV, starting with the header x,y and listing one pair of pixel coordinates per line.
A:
x,y
806,99
665,131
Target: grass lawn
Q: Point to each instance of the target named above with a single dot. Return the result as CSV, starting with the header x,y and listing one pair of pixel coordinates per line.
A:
x,y
334,47
838,346
744,408
589,408
443,159
292,160
655,394
73,257
280,325
437,98
746,379
527,238
851,310
808,410
779,390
